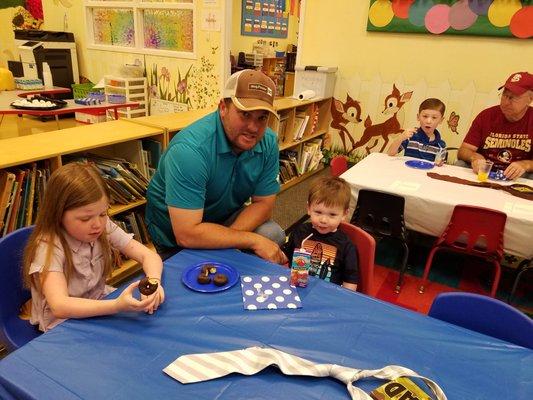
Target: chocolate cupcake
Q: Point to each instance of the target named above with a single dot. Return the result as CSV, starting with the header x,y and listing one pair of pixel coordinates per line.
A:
x,y
203,279
220,279
147,286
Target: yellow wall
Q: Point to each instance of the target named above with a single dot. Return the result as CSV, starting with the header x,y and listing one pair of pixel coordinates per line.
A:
x,y
335,34
245,43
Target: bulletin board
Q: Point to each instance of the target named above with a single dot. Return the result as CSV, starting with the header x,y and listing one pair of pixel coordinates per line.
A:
x,y
511,18
265,18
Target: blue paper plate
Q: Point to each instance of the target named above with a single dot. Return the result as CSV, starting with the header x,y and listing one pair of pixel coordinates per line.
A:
x,y
190,275
418,164
497,177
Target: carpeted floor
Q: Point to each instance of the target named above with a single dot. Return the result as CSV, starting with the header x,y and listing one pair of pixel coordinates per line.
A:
x,y
449,272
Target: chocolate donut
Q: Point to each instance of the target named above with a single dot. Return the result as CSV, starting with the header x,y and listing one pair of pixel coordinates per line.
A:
x,y
203,279
220,279
205,269
147,286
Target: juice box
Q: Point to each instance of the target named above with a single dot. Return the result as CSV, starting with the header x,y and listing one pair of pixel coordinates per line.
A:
x,y
301,260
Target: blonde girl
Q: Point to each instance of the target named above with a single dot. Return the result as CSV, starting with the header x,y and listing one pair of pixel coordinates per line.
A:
x,y
69,254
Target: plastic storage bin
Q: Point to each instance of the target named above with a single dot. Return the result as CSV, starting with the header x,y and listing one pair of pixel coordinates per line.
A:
x,y
319,79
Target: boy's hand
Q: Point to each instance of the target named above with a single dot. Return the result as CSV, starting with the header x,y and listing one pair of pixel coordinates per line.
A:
x,y
408,133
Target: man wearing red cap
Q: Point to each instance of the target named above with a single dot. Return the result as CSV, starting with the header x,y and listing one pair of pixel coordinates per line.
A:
x,y
197,197
504,134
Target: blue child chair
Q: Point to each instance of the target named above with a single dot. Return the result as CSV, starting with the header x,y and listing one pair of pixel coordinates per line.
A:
x,y
14,332
484,314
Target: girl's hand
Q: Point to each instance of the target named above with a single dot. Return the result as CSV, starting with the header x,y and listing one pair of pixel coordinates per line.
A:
x,y
158,299
127,302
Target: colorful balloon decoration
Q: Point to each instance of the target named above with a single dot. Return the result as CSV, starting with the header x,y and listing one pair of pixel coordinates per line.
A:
x,y
479,17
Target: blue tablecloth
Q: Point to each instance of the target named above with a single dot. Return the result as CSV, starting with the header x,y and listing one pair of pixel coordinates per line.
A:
x,y
122,356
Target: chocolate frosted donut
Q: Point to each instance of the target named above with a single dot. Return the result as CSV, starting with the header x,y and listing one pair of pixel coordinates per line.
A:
x,y
147,286
203,279
220,279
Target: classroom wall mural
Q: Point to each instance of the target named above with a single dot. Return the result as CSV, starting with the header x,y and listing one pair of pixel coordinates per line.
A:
x,y
510,18
28,14
368,114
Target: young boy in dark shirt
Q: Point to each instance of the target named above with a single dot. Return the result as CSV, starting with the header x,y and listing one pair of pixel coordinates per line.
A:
x,y
333,255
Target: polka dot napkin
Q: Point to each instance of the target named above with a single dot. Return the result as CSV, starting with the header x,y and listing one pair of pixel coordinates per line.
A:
x,y
268,292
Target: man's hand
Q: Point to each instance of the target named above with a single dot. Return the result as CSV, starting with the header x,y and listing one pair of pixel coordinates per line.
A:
x,y
515,170
268,250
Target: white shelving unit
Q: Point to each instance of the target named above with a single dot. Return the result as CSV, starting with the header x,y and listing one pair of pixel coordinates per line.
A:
x,y
133,89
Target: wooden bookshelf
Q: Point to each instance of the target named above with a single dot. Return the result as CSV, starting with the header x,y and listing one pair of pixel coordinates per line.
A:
x,y
319,133
301,178
317,113
116,209
55,146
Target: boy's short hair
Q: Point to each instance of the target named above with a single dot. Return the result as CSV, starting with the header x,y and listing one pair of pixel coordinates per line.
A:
x,y
330,191
432,104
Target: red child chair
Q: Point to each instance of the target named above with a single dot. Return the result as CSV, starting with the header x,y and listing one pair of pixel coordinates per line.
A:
x,y
338,165
366,249
476,231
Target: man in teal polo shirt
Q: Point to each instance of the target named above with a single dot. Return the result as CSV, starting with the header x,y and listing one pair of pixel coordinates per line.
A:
x,y
197,196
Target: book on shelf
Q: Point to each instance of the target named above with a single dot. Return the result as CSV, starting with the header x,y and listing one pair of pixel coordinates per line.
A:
x,y
7,180
133,222
31,196
288,164
282,130
21,194
154,149
13,218
311,155
126,183
300,123
10,205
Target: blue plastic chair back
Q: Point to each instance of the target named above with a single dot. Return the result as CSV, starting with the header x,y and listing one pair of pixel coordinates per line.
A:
x,y
484,314
14,332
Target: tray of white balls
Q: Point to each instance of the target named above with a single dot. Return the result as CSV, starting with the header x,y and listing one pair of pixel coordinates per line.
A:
x,y
38,103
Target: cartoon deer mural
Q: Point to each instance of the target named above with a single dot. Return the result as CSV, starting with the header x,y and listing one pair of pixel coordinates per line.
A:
x,y
342,114
393,104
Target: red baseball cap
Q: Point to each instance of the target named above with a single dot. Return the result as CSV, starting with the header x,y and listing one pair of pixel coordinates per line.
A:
x,y
519,83
251,90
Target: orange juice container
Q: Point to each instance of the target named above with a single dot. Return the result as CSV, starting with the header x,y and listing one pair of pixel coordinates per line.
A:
x,y
301,260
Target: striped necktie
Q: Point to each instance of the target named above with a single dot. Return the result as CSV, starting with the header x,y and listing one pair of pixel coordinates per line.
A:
x,y
193,368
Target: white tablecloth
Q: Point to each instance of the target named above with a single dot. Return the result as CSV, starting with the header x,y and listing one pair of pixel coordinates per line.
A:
x,y
429,202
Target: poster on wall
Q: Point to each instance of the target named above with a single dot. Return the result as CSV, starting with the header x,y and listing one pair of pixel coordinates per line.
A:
x,y
265,18
27,14
506,18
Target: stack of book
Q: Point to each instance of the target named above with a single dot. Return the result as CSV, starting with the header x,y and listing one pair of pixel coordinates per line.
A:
x,y
300,160
288,165
21,192
125,181
133,222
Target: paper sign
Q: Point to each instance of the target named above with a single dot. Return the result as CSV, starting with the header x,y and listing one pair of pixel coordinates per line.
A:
x,y
158,106
211,20
404,186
